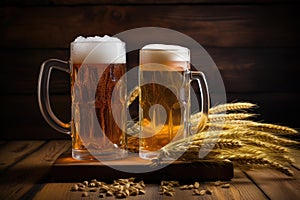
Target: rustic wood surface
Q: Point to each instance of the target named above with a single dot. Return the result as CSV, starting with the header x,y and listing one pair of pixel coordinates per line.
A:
x,y
254,43
133,2
213,25
15,151
231,62
28,166
65,168
17,180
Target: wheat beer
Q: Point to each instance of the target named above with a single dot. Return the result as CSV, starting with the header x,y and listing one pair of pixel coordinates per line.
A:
x,y
164,99
96,68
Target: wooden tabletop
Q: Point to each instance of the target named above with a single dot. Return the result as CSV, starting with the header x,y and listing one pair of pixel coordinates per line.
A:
x,y
25,167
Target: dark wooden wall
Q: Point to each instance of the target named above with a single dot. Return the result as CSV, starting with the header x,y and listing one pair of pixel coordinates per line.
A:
x,y
255,45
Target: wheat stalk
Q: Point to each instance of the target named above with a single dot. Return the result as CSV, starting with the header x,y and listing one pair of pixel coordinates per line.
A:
x,y
231,107
268,137
250,159
264,126
267,145
227,117
230,136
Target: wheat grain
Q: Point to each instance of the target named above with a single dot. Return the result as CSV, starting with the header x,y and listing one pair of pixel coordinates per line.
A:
x,y
250,159
268,137
272,128
227,117
231,107
264,126
273,147
227,136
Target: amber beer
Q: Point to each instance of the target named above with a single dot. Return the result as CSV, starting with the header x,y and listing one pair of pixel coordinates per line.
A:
x,y
164,97
97,68
95,73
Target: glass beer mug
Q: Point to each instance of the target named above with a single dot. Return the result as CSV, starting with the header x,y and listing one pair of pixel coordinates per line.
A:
x,y
96,65
164,80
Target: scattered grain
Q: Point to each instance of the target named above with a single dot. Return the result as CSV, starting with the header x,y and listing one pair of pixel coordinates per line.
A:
x,y
74,187
85,194
226,185
207,191
196,185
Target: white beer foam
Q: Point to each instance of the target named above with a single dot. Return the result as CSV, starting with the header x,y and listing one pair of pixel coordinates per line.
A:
x,y
93,50
162,53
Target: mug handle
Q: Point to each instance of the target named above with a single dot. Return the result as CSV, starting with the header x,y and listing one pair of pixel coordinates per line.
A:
x,y
200,78
43,94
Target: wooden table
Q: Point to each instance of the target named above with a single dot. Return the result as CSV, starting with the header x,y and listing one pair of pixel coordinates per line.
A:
x,y
25,167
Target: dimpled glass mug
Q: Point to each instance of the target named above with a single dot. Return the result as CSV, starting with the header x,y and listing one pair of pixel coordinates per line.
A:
x,y
164,80
96,66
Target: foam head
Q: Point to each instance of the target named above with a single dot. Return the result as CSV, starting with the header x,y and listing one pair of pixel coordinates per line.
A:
x,y
161,53
98,49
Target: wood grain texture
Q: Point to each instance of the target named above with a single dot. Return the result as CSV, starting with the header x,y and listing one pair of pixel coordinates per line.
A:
x,y
279,108
62,191
24,112
65,168
20,178
275,184
14,151
244,187
133,2
241,188
242,69
221,26
296,155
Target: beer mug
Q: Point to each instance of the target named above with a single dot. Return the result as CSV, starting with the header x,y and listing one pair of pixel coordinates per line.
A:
x,y
96,65
164,81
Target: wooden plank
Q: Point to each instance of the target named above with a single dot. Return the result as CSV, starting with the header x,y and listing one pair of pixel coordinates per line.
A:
x,y
221,26
31,125
62,191
295,153
244,187
279,108
20,178
25,69
133,2
275,184
65,168
241,188
242,69
14,151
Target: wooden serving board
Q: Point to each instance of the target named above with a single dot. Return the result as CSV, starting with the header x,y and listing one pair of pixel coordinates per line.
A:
x,y
66,168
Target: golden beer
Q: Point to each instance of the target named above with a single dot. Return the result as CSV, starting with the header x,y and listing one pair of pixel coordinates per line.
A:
x,y
83,125
98,94
164,99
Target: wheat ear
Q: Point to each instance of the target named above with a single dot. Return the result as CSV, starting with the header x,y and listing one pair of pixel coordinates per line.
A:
x,y
250,159
267,145
231,107
264,126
